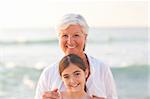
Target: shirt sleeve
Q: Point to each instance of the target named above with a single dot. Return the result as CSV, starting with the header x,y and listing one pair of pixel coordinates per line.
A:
x,y
109,82
42,85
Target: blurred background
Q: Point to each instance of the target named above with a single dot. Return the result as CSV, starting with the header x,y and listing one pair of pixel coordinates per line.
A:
x,y
118,36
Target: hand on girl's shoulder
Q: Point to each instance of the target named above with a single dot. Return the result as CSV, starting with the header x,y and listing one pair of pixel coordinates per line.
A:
x,y
94,97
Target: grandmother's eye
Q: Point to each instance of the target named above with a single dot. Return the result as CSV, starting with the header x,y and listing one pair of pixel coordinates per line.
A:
x,y
76,35
64,35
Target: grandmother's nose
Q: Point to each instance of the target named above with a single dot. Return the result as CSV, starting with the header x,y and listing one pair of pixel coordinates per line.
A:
x,y
69,40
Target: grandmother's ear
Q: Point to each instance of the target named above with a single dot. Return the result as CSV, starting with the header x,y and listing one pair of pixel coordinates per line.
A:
x,y
86,36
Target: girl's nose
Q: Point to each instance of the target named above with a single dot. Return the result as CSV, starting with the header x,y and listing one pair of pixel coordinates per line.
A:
x,y
72,80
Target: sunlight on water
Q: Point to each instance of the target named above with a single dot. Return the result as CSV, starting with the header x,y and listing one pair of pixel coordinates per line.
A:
x,y
40,65
28,82
10,65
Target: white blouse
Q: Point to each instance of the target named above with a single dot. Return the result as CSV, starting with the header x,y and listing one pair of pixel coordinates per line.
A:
x,y
100,82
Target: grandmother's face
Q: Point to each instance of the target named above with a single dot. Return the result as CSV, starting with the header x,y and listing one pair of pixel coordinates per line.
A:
x,y
72,40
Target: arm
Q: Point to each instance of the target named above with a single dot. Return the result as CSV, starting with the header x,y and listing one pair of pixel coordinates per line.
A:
x,y
43,87
109,84
101,82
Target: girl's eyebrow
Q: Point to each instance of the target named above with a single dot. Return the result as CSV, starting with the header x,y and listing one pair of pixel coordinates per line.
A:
x,y
77,71
66,75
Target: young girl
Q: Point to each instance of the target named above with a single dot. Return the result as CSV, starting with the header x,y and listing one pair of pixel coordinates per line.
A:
x,y
73,73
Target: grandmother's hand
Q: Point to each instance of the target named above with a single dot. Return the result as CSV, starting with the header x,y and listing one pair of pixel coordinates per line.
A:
x,y
51,94
95,97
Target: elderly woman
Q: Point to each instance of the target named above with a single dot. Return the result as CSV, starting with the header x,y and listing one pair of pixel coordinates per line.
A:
x,y
73,32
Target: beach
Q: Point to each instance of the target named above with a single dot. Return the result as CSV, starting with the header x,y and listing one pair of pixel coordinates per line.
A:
x,y
25,53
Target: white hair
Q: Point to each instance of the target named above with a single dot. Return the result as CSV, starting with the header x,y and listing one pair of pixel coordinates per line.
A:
x,y
72,19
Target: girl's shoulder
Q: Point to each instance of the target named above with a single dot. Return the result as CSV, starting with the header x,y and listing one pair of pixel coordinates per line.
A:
x,y
90,98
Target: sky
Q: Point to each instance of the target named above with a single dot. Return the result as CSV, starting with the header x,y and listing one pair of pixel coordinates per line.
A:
x,y
98,13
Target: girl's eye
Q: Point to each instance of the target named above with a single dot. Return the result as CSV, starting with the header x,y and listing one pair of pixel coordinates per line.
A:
x,y
66,77
77,74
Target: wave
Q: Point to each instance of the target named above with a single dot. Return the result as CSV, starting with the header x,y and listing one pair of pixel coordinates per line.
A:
x,y
134,68
53,41
16,42
130,68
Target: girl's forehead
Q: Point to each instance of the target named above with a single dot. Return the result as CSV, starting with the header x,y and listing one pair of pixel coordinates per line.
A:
x,y
71,68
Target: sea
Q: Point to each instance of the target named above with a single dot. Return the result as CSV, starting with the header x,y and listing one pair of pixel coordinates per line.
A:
x,y
25,52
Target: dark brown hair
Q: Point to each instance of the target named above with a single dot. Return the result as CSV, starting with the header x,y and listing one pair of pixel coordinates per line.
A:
x,y
71,58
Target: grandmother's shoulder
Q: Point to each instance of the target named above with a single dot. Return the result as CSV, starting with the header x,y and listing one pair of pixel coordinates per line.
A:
x,y
97,62
51,67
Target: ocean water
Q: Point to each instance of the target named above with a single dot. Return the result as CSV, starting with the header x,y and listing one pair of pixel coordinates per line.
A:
x,y
25,52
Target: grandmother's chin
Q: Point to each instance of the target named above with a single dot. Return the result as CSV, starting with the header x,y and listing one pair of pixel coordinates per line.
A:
x,y
70,52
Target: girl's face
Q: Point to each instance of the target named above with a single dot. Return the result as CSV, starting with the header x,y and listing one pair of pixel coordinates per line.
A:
x,y
74,78
72,40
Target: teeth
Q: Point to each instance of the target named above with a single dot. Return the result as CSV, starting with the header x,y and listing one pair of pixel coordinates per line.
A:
x,y
75,85
71,46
